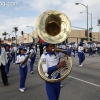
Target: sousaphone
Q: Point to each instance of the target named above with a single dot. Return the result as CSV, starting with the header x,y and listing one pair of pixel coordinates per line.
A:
x,y
54,27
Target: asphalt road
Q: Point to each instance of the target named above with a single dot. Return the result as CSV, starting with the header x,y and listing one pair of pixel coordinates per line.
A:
x,y
83,83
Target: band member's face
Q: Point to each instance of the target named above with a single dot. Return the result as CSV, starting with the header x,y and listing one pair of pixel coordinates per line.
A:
x,y
7,48
22,51
50,48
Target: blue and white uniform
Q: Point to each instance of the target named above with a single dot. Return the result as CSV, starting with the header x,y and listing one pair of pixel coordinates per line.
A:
x,y
14,50
22,70
90,49
81,55
9,59
69,49
32,58
8,62
32,50
98,48
73,48
49,64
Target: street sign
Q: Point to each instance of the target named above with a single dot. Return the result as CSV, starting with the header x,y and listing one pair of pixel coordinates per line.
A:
x,y
33,37
90,29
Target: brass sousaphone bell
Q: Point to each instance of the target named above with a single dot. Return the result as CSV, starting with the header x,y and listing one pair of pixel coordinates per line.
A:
x,y
54,27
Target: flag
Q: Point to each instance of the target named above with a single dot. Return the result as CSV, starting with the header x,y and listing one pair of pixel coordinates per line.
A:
x,y
41,41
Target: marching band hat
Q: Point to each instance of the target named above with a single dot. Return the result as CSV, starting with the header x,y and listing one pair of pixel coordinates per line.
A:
x,y
22,48
81,43
72,43
31,44
91,42
45,44
6,45
21,43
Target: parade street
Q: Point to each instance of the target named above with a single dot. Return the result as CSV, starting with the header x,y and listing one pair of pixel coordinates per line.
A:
x,y
83,83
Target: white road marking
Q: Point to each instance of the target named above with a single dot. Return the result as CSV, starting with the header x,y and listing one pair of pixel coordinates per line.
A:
x,y
84,81
81,80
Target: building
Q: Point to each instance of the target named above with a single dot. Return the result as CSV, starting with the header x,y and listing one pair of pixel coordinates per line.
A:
x,y
75,36
79,35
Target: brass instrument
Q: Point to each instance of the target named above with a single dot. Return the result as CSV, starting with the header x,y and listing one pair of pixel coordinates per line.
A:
x,y
32,54
27,57
93,46
25,60
54,27
9,55
85,46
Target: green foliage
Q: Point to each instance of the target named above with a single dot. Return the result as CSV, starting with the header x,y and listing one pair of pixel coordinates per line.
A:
x,y
4,34
15,29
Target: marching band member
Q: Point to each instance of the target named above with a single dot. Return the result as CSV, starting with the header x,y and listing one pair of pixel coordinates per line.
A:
x,y
9,59
98,48
90,49
14,50
50,63
22,68
69,50
63,46
41,49
3,61
22,44
32,58
73,48
81,54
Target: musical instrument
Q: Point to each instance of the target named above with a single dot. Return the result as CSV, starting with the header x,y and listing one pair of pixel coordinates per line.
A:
x,y
9,55
74,46
29,55
85,46
54,27
92,45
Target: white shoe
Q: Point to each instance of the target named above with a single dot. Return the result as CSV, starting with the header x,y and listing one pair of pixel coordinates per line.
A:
x,y
7,75
24,88
61,85
81,65
21,90
31,72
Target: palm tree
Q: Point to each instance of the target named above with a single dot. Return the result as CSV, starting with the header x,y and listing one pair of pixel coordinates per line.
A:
x,y
5,33
15,29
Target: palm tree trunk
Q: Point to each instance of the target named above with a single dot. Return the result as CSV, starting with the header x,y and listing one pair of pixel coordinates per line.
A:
x,y
16,38
5,37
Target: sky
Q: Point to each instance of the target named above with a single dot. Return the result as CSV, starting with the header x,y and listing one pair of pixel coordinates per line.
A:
x,y
23,13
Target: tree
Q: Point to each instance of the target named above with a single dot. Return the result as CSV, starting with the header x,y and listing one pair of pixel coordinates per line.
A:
x,y
15,29
5,33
